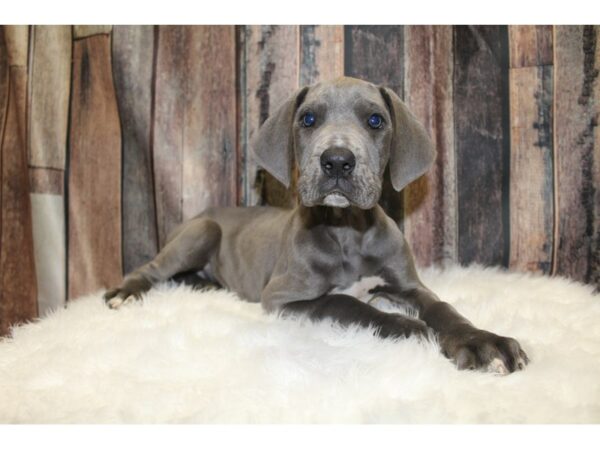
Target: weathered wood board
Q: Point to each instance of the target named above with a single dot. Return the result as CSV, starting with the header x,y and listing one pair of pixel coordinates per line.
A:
x,y
322,53
269,75
94,187
531,158
83,31
577,140
482,142
18,290
133,57
194,133
376,54
50,84
430,220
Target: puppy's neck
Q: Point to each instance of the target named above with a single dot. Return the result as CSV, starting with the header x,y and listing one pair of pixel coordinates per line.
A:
x,y
351,216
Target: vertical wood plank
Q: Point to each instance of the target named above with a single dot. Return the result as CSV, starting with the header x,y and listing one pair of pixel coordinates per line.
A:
x,y
430,219
481,127
376,54
3,84
194,123
49,90
83,31
94,195
18,290
133,57
270,74
322,53
577,144
531,167
209,156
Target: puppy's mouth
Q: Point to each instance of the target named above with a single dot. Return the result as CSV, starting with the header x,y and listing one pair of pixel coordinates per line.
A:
x,y
336,200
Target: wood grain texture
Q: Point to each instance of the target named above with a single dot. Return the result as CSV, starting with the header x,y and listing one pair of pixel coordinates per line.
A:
x,y
430,221
482,142
18,294
83,31
133,56
270,75
194,133
94,188
16,38
577,141
531,158
49,237
50,84
3,83
376,54
530,45
322,53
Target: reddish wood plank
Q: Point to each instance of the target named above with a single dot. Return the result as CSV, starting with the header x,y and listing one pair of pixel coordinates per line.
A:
x,y
50,84
133,56
376,54
481,119
18,295
530,45
322,53
209,157
430,202
194,133
94,196
269,75
531,166
3,83
577,140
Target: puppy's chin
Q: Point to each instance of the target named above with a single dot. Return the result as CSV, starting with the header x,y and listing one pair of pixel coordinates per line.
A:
x,y
336,200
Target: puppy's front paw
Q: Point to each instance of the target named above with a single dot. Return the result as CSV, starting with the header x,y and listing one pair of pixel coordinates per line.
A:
x,y
473,349
133,287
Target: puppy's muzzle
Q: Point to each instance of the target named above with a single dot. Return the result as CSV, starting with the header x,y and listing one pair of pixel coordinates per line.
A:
x,y
338,162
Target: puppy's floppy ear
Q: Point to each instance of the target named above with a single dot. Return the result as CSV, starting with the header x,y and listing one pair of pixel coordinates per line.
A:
x,y
273,143
411,152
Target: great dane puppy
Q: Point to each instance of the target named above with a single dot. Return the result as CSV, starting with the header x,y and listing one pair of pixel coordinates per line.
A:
x,y
342,135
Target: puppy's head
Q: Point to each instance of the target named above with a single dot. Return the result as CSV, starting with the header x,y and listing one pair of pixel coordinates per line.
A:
x,y
342,134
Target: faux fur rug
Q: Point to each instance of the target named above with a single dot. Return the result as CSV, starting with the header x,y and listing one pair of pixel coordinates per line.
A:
x,y
185,356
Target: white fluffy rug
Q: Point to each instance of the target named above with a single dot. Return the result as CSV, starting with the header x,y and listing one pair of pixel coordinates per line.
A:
x,y
185,356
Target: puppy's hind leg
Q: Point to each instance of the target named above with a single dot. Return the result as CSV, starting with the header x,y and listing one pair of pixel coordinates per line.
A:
x,y
188,250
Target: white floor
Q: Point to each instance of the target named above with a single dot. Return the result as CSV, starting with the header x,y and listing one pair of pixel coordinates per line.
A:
x,y
185,356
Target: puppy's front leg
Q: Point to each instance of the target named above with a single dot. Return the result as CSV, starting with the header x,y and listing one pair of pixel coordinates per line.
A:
x,y
348,310
468,346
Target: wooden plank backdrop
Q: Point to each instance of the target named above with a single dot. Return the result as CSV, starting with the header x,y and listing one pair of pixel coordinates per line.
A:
x,y
111,136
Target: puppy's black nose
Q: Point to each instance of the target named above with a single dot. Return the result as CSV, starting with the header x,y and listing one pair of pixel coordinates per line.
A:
x,y
337,162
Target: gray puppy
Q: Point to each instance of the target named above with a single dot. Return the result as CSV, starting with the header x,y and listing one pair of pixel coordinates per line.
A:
x,y
342,135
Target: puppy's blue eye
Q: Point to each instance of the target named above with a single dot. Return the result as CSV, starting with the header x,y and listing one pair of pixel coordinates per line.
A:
x,y
308,119
375,121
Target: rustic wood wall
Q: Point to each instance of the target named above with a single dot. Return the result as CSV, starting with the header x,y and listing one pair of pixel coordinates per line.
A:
x,y
110,136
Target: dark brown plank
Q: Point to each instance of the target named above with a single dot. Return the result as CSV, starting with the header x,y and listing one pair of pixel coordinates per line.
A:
x,y
3,83
18,292
531,166
482,142
133,56
430,202
376,53
269,74
94,188
194,122
577,108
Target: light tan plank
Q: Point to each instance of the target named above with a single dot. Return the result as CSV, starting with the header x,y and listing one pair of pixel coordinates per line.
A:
x,y
83,31
17,43
530,45
50,84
